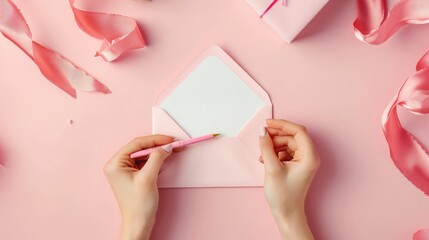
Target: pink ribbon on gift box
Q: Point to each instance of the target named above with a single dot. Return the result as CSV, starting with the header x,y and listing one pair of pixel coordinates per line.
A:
x,y
270,6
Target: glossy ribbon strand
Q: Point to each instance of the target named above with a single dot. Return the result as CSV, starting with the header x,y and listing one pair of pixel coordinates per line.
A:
x,y
407,153
409,156
119,33
375,25
57,69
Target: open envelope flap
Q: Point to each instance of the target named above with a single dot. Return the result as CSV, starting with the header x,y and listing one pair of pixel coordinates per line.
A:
x,y
217,52
223,162
216,96
250,132
162,123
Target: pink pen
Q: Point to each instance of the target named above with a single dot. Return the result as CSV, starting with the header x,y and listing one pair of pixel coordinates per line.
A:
x,y
176,144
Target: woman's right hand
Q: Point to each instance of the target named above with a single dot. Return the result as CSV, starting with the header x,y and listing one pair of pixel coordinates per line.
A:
x,y
290,161
135,184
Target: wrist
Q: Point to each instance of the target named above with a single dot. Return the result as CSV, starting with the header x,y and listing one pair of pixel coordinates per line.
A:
x,y
287,214
294,225
136,231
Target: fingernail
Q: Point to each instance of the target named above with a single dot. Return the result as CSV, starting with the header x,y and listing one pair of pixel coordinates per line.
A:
x,y
168,148
262,131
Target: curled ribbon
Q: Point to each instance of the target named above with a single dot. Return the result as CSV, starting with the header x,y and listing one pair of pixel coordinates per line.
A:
x,y
375,25
53,66
407,153
270,6
119,33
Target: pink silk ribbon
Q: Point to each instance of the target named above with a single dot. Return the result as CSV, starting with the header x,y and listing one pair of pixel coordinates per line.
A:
x,y
407,153
375,25
119,33
270,6
57,69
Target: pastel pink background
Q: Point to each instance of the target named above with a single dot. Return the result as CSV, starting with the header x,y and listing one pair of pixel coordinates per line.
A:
x,y
52,185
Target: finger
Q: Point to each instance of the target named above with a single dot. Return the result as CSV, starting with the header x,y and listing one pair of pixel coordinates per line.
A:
x,y
280,141
289,128
280,132
179,149
276,132
141,161
284,149
140,143
275,123
122,159
302,138
269,156
282,155
153,165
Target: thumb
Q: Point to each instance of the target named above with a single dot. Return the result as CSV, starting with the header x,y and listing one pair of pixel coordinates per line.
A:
x,y
271,160
155,161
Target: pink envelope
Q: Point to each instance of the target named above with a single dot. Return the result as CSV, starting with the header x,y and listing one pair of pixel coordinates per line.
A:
x,y
288,21
213,95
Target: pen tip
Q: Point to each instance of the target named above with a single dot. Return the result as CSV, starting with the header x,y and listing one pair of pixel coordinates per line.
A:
x,y
216,134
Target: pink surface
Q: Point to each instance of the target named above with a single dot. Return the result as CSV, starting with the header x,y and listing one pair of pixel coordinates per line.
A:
x,y
52,186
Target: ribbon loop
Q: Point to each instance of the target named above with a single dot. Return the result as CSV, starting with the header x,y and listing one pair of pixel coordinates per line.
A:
x,y
375,25
119,33
406,151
